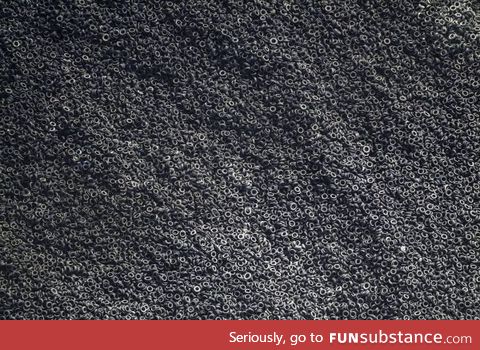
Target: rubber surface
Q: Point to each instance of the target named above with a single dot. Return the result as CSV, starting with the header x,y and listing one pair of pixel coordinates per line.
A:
x,y
240,160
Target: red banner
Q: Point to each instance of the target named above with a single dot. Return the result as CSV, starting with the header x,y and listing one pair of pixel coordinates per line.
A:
x,y
237,335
